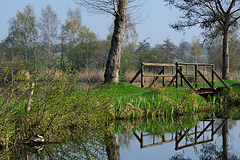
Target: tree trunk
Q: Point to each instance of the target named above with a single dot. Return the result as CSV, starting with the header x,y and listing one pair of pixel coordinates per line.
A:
x,y
225,55
225,141
114,56
113,148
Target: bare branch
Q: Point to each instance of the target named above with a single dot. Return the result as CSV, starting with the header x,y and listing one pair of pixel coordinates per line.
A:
x,y
220,6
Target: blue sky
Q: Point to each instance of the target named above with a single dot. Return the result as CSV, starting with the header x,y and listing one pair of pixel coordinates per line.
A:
x,y
155,26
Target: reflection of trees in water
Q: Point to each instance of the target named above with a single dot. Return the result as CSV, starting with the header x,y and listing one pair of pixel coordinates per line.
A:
x,y
231,124
125,140
82,146
210,151
179,156
112,147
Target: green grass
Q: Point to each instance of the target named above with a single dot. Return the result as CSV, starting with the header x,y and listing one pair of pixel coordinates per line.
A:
x,y
157,126
131,101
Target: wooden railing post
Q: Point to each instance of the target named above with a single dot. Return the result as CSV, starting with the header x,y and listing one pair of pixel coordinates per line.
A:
x,y
142,75
176,74
196,75
163,76
181,79
204,75
212,75
196,132
175,77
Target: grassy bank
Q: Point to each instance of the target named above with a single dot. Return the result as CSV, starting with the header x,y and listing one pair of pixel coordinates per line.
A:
x,y
227,101
60,105
130,101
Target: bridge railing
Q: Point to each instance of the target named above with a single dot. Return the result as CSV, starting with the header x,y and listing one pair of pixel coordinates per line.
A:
x,y
180,74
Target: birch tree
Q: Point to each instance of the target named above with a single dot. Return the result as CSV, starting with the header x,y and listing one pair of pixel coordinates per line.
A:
x,y
49,25
23,33
196,48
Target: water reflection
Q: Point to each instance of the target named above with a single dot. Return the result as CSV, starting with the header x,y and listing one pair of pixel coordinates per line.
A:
x,y
77,146
191,137
207,139
202,133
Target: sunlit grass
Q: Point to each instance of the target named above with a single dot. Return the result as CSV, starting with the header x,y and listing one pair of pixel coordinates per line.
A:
x,y
132,101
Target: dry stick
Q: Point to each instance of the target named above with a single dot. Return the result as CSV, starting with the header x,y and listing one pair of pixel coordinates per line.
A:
x,y
49,124
28,106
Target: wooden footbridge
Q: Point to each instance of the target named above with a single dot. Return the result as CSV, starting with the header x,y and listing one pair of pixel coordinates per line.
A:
x,y
197,76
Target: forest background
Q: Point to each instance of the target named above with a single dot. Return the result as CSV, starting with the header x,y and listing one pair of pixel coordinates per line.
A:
x,y
72,46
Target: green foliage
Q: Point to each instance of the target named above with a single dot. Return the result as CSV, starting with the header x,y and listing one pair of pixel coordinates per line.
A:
x,y
80,54
227,101
56,104
22,34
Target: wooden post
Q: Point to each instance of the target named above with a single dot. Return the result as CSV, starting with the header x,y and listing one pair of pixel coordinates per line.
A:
x,y
186,70
154,82
204,75
176,139
212,130
172,74
176,74
141,140
142,75
163,138
213,75
196,76
181,79
163,76
195,134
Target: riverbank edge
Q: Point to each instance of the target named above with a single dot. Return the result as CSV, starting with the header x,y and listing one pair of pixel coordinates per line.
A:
x,y
114,102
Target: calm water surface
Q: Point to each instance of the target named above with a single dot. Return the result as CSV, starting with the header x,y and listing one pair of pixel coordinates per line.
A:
x,y
216,139
208,139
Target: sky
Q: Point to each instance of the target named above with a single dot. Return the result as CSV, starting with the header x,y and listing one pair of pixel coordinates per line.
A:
x,y
154,27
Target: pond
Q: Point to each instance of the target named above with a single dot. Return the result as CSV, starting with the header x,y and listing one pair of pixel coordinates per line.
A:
x,y
209,139
147,140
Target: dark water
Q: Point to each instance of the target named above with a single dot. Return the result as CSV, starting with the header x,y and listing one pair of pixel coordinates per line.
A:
x,y
208,139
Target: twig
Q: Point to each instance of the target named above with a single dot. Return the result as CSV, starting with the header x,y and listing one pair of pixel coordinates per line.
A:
x,y
49,124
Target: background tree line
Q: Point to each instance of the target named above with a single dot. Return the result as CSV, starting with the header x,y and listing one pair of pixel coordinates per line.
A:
x,y
33,43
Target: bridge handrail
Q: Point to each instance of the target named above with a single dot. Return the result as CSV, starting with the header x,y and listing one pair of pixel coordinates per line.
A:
x,y
159,64
194,64
179,63
178,69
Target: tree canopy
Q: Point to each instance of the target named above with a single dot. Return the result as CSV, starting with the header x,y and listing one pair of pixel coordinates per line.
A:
x,y
214,16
